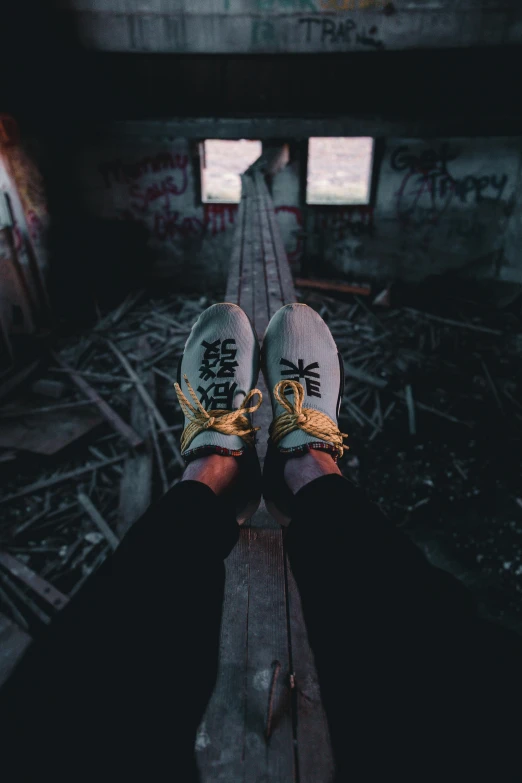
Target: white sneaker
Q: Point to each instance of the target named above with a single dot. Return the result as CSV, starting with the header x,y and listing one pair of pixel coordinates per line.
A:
x,y
298,348
216,379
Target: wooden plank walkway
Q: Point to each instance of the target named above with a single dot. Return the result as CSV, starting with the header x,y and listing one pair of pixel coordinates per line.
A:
x,y
258,729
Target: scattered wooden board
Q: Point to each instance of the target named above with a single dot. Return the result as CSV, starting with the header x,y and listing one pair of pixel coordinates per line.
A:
x,y
48,432
105,409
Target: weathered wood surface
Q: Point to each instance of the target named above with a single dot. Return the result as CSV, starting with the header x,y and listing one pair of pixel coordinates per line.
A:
x,y
312,735
257,729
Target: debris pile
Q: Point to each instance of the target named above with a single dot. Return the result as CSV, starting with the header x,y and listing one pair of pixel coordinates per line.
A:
x,y
433,409
86,443
432,404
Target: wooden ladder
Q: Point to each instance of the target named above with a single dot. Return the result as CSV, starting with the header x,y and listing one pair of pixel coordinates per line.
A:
x,y
263,638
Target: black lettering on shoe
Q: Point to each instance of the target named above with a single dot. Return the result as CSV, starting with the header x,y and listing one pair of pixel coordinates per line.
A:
x,y
219,361
298,371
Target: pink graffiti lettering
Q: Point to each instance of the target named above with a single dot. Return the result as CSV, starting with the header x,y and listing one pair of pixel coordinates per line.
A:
x,y
144,196
219,216
127,172
169,226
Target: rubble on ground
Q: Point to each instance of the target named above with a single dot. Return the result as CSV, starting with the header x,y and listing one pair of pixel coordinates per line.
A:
x,y
432,404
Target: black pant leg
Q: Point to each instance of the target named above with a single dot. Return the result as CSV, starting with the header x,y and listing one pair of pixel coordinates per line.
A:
x,y
413,683
120,681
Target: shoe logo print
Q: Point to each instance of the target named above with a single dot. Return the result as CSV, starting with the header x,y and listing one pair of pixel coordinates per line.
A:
x,y
219,361
297,371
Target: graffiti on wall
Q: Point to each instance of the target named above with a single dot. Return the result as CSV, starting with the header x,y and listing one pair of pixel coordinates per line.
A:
x,y
346,222
171,225
132,173
319,30
326,31
441,201
428,188
337,224
152,190
219,217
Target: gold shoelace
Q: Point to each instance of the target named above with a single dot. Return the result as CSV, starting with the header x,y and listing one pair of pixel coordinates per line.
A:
x,y
311,421
225,422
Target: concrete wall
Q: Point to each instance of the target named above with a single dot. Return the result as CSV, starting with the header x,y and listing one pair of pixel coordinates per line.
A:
x,y
153,184
443,204
245,26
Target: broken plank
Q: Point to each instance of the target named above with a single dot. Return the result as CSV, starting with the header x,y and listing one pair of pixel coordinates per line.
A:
x,y
98,520
411,409
114,317
25,599
96,376
47,433
435,411
142,391
331,285
105,409
15,613
44,589
14,413
364,377
60,479
452,322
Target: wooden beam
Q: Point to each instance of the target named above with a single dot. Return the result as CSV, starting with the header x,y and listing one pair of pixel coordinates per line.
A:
x,y
44,589
147,399
32,489
98,520
110,415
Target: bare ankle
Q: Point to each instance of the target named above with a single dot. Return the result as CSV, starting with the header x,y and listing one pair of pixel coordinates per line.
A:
x,y
301,470
216,471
